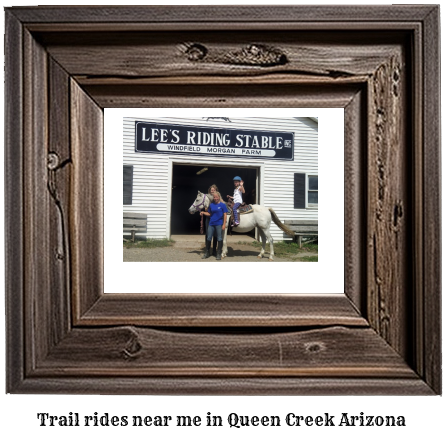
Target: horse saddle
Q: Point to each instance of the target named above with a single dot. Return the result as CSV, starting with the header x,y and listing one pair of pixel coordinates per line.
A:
x,y
243,209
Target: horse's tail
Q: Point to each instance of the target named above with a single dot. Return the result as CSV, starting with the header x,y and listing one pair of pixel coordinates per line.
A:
x,y
282,227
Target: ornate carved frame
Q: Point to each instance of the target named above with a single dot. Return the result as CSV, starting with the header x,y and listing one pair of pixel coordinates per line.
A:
x,y
64,65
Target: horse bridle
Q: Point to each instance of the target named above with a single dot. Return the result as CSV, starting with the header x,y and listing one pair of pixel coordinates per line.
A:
x,y
201,203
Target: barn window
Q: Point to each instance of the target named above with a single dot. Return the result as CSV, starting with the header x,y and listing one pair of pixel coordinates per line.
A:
x,y
305,190
312,193
127,185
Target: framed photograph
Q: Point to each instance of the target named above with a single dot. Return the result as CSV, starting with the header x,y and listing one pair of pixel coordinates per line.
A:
x,y
65,65
159,191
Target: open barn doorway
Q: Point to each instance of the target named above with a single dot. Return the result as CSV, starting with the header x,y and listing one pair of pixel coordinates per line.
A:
x,y
188,179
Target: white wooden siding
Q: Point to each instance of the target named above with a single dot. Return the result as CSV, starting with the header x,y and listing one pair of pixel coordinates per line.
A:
x,y
151,191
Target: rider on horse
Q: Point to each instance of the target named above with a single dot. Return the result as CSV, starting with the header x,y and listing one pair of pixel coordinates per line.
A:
x,y
238,198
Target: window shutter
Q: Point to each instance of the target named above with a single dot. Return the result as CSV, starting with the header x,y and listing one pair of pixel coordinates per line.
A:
x,y
299,190
127,185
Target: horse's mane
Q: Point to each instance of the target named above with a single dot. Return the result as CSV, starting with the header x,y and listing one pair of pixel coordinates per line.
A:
x,y
211,198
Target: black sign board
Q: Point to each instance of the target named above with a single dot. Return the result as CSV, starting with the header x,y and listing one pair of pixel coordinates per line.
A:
x,y
192,140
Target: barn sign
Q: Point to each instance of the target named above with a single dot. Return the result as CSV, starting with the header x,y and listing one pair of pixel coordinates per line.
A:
x,y
191,140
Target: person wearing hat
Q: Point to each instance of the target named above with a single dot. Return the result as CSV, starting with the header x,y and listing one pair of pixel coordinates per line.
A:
x,y
237,198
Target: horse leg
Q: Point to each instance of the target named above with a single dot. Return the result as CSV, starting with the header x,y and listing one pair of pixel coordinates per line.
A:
x,y
225,245
271,244
263,242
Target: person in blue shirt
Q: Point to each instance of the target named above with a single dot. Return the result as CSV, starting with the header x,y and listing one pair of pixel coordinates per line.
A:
x,y
211,192
217,212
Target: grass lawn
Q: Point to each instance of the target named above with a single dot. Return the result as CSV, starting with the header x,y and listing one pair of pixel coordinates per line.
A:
x,y
290,249
148,243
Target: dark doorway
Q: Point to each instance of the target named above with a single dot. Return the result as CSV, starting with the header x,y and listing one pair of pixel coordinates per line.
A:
x,y
186,183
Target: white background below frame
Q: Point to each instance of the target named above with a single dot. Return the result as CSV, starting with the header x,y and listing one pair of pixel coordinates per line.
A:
x,y
325,276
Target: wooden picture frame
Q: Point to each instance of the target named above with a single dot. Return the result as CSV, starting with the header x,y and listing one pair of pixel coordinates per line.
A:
x,y
65,64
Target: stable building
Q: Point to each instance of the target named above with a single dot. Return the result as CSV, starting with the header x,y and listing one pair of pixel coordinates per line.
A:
x,y
167,160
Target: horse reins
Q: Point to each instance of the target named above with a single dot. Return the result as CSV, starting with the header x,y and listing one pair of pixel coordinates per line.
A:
x,y
201,226
198,209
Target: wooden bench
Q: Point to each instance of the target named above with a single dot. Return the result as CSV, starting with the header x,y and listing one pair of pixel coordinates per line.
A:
x,y
303,228
134,223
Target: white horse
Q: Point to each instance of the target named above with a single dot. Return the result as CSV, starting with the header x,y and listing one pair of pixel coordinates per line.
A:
x,y
261,217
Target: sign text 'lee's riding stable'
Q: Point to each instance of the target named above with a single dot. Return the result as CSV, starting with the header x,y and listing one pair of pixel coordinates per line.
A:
x,y
179,139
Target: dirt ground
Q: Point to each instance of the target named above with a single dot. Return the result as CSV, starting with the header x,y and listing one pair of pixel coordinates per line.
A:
x,y
192,251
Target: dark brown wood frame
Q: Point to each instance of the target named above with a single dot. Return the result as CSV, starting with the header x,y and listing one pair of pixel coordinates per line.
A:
x,y
64,65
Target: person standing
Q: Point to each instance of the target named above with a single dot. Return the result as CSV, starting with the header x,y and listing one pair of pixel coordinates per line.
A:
x,y
212,189
217,212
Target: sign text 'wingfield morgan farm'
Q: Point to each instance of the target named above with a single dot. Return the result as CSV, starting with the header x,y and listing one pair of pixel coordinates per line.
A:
x,y
179,139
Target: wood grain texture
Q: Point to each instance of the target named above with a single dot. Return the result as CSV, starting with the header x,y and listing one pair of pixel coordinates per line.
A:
x,y
64,65
58,184
86,200
289,386
233,95
38,309
222,14
388,203
205,310
417,245
129,351
14,239
431,316
355,189
109,56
